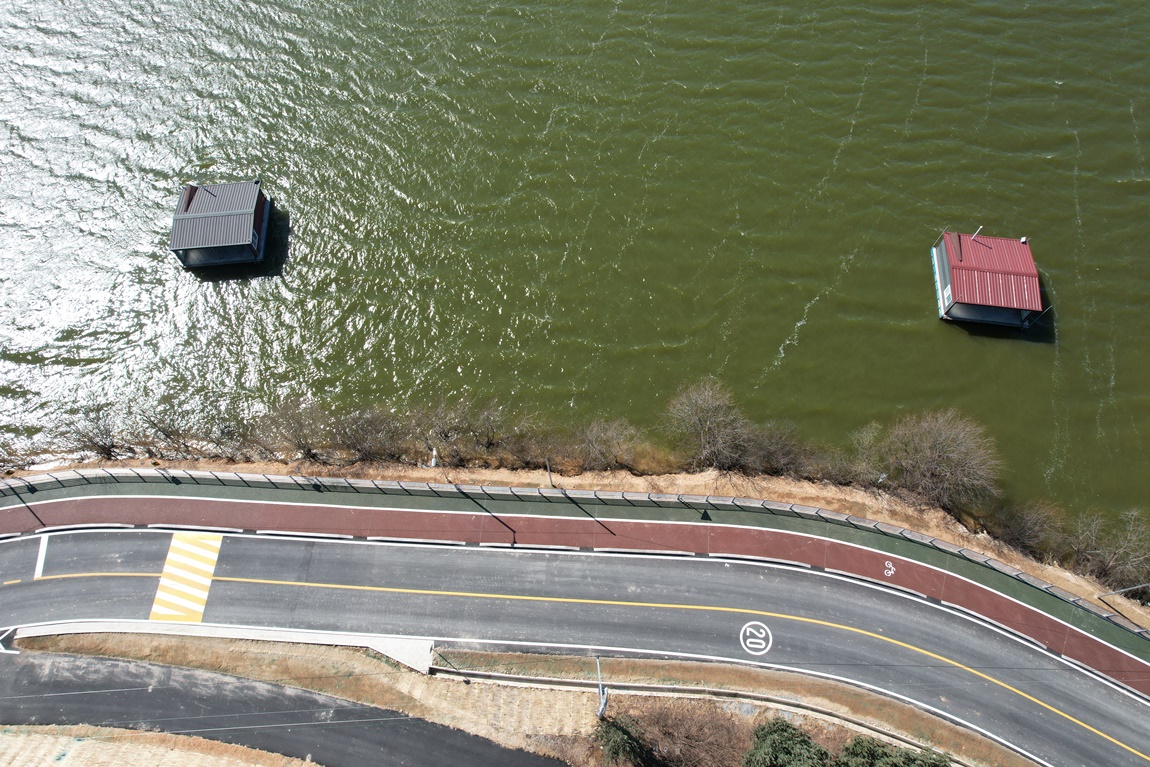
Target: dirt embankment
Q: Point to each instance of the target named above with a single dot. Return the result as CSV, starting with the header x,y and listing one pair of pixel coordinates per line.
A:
x,y
880,507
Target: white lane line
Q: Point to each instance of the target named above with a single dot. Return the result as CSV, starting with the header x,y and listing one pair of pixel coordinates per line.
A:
x,y
40,558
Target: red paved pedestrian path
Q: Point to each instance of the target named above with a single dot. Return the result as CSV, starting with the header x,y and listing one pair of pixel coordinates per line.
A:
x,y
604,533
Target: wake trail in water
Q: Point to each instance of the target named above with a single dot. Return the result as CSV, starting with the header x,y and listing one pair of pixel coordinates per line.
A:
x,y
821,187
792,340
1137,142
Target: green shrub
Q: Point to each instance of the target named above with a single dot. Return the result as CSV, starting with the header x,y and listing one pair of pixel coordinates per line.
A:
x,y
778,743
620,744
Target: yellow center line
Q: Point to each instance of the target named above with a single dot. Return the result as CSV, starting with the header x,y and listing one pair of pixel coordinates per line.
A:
x,y
9,583
700,608
649,605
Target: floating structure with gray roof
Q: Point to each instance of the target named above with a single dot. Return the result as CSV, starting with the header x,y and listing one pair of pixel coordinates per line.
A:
x,y
217,224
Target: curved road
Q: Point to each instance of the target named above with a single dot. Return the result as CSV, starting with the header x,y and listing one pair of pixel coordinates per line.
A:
x,y
819,623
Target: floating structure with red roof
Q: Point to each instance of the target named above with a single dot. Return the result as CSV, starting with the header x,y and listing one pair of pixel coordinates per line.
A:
x,y
986,279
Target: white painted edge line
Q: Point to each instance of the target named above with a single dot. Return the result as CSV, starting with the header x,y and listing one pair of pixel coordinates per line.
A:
x,y
546,547
433,541
297,534
201,528
6,536
673,553
39,571
4,649
89,526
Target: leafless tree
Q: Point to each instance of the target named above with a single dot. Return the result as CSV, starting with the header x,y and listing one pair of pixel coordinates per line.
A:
x,y
707,425
165,430
1036,528
944,458
98,429
297,424
608,445
775,448
369,434
1117,552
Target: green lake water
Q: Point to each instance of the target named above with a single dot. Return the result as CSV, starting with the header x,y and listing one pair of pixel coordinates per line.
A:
x,y
579,206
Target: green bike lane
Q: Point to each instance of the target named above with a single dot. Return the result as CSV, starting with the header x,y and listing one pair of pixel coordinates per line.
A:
x,y
592,520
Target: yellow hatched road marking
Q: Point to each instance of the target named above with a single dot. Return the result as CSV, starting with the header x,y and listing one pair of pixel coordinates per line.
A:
x,y
182,592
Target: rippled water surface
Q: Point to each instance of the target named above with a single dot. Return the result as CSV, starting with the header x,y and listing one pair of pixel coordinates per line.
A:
x,y
579,206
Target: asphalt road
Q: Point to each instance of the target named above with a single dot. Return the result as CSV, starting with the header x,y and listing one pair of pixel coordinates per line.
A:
x,y
818,623
40,688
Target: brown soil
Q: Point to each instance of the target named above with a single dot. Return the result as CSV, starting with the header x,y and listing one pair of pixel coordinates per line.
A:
x,y
555,722
84,746
874,505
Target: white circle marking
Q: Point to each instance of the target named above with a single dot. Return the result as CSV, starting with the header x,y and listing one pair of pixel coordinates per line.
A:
x,y
755,638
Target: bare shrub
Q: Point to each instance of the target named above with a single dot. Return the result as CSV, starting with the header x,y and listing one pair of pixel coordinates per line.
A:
x,y
693,734
1116,552
536,448
608,445
487,424
369,434
11,458
944,458
238,439
775,448
298,425
707,425
98,429
866,444
462,433
1035,528
164,430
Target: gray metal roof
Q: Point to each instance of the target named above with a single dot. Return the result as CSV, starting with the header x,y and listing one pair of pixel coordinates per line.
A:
x,y
214,215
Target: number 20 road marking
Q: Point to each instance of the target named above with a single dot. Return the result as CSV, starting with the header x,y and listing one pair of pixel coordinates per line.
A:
x,y
755,638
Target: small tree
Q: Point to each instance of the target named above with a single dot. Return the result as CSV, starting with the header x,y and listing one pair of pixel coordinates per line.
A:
x,y
708,426
944,458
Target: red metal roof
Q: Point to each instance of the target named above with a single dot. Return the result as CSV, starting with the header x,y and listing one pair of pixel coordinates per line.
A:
x,y
992,271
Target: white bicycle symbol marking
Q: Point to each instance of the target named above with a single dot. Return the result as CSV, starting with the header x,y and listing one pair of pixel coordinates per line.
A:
x,y
755,638
889,571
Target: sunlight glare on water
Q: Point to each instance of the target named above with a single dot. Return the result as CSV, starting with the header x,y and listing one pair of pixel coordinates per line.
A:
x,y
577,207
